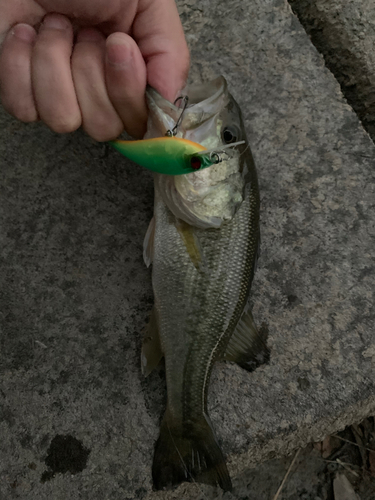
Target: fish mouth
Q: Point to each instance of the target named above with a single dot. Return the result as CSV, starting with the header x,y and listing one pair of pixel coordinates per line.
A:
x,y
204,102
205,198
205,94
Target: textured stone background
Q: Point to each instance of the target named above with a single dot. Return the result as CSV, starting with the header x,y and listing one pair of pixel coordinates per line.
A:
x,y
75,293
344,32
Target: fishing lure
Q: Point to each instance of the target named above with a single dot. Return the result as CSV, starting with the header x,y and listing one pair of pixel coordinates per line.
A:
x,y
167,155
171,155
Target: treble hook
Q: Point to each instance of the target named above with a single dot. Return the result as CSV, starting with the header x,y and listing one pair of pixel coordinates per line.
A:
x,y
216,157
173,132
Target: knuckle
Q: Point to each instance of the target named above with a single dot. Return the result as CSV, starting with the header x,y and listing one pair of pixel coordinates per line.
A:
x,y
27,115
23,112
183,59
64,124
83,64
117,95
49,44
104,130
44,51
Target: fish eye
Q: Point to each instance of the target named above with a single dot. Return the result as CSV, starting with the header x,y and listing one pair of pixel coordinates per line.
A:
x,y
230,134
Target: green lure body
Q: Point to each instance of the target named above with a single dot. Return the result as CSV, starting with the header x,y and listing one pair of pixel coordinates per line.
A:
x,y
166,155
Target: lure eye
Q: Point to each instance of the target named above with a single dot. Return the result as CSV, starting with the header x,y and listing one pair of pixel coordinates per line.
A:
x,y
230,134
195,163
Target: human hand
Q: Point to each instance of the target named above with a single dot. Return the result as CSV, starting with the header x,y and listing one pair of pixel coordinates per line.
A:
x,y
87,62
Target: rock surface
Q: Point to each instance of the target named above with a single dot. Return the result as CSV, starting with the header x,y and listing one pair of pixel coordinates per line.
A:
x,y
75,295
344,32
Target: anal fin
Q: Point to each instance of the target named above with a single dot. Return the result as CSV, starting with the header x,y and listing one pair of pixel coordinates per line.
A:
x,y
247,346
151,348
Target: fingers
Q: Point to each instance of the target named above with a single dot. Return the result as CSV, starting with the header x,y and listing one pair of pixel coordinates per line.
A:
x,y
102,85
51,75
126,81
98,83
35,74
99,117
110,81
15,73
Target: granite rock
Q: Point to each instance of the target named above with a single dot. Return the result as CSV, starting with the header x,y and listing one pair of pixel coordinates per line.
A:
x,y
344,32
75,294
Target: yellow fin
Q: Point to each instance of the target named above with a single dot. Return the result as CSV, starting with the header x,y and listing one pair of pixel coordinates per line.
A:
x,y
191,242
247,347
151,348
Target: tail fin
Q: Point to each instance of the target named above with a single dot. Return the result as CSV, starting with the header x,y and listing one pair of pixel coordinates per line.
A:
x,y
189,453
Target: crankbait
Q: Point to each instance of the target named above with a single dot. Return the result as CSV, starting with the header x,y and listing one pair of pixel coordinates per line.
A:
x,y
167,155
171,155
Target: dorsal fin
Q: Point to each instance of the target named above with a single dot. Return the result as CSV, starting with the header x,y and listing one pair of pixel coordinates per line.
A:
x,y
247,347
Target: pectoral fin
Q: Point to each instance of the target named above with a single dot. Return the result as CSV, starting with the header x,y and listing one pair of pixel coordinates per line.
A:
x,y
148,243
151,348
191,242
247,347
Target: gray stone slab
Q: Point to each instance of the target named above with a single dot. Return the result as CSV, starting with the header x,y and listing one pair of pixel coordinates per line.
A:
x,y
75,293
344,32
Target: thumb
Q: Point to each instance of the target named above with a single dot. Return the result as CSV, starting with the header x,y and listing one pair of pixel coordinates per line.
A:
x,y
126,82
159,34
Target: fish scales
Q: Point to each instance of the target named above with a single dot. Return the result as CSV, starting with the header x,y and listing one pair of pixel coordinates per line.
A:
x,y
203,243
207,305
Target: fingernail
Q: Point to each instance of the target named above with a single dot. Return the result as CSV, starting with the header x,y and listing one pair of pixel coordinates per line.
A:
x,y
56,22
24,32
118,53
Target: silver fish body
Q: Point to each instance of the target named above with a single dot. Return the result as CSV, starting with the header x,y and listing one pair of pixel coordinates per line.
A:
x,y
203,245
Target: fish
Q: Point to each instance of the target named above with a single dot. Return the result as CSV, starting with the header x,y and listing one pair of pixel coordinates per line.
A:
x,y
203,244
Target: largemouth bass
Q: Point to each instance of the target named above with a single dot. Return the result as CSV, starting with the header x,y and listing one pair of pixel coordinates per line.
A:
x,y
203,243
